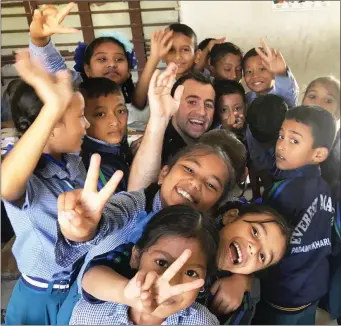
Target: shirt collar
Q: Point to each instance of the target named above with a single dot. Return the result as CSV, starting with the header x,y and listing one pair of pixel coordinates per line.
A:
x,y
157,204
96,145
69,168
311,170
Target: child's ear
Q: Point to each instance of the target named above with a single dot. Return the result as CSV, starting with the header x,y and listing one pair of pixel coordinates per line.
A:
x,y
135,258
87,70
197,55
163,173
320,154
230,216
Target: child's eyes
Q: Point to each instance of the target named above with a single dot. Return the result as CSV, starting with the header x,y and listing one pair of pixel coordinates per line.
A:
x,y
247,73
101,59
162,262
188,169
262,69
100,115
224,110
329,101
227,70
122,111
185,50
192,273
211,186
293,141
237,108
255,232
280,137
262,257
312,97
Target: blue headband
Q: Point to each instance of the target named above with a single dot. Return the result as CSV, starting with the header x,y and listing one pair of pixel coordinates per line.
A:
x,y
128,47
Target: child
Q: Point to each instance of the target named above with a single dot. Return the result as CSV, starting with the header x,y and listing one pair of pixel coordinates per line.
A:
x,y
201,63
107,113
201,175
110,55
325,92
225,61
175,254
265,117
265,72
49,117
231,104
183,51
292,289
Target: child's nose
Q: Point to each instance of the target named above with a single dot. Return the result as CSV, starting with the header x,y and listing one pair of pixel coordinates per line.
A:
x,y
253,248
113,121
177,279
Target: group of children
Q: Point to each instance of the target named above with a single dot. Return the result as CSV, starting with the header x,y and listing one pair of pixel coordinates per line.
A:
x,y
94,248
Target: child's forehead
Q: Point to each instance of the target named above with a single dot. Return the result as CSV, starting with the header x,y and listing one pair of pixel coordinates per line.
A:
x,y
326,87
254,60
111,99
297,127
180,39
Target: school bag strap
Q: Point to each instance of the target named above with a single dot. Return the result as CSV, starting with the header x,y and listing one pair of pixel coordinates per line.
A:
x,y
337,224
278,187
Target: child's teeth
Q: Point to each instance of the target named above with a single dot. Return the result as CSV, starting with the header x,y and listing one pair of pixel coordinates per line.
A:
x,y
185,194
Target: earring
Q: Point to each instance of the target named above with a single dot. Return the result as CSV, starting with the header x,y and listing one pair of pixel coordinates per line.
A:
x,y
202,290
159,183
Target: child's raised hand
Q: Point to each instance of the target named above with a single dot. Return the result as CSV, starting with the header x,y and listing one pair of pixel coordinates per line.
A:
x,y
80,210
55,90
272,59
138,291
161,103
163,290
160,43
47,21
212,43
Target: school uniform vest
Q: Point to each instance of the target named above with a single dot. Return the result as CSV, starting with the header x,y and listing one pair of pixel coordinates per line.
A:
x,y
301,277
113,157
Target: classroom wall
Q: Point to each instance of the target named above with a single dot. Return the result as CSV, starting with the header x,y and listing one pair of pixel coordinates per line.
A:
x,y
309,40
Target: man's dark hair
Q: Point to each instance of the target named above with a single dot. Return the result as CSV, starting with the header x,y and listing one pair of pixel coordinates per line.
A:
x,y
265,117
193,75
321,122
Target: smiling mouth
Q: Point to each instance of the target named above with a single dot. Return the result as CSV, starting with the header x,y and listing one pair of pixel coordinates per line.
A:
x,y
185,194
197,122
235,253
258,83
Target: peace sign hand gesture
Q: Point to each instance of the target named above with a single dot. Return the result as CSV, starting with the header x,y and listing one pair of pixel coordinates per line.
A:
x,y
272,59
47,22
161,102
80,211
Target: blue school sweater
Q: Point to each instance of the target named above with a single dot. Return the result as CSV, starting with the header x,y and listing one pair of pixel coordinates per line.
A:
x,y
113,157
301,277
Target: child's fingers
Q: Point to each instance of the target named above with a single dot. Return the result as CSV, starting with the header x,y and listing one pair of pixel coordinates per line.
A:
x,y
64,12
140,278
186,287
262,55
149,281
148,302
171,75
153,80
93,173
109,189
166,37
62,30
163,78
265,46
178,94
173,269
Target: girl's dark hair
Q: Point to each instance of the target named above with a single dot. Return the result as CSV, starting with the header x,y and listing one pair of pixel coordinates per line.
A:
x,y
220,50
226,87
185,30
224,144
25,107
183,221
128,86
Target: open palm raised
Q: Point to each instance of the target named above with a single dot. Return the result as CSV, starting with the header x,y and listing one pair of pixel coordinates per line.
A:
x,y
161,102
80,210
